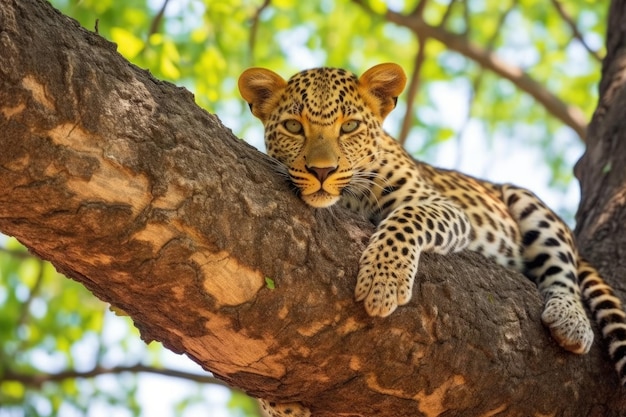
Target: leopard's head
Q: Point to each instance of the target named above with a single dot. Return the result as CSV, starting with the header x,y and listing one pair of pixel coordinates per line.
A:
x,y
324,124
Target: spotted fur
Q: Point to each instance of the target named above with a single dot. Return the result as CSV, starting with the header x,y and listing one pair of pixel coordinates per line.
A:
x,y
271,409
324,126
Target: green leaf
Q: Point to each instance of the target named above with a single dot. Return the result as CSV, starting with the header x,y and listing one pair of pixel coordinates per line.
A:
x,y
128,44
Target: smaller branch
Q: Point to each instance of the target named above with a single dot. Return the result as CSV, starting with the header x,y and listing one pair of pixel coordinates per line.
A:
x,y
367,8
477,83
414,85
154,27
36,381
33,293
466,17
447,14
419,8
20,254
459,134
494,36
575,32
254,28
571,116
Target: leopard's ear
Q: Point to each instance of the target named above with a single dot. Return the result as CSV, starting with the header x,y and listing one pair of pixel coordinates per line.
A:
x,y
382,84
260,87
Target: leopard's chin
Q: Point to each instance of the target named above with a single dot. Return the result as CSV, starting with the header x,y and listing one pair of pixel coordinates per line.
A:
x,y
320,199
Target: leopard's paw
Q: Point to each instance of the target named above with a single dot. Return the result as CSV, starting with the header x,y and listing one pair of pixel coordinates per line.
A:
x,y
568,323
272,409
385,280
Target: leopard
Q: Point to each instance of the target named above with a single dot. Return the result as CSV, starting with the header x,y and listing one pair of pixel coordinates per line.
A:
x,y
324,128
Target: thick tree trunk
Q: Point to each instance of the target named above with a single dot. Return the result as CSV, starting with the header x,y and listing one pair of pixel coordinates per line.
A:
x,y
129,188
601,219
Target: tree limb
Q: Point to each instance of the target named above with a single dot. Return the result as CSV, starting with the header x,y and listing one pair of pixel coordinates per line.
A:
x,y
32,293
17,253
128,187
254,27
575,32
36,381
478,79
412,90
601,172
156,21
570,115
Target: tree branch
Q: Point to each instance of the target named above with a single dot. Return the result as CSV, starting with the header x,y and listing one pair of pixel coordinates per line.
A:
x,y
575,32
477,82
36,381
570,115
414,82
20,254
34,291
254,27
154,26
412,91
126,186
602,210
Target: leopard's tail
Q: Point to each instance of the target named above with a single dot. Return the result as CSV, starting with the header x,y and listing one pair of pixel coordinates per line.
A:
x,y
608,313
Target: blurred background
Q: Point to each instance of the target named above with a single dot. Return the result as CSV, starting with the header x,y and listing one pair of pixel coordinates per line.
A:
x,y
499,89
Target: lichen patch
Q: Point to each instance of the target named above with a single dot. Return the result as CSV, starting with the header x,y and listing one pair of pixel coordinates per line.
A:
x,y
229,282
433,404
38,91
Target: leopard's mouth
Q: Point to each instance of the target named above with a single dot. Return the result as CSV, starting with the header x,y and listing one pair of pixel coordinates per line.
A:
x,y
320,199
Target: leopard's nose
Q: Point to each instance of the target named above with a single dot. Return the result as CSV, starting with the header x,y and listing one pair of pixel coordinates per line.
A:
x,y
321,173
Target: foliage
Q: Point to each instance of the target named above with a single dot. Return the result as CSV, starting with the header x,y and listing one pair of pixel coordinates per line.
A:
x,y
205,46
49,325
461,115
41,331
63,353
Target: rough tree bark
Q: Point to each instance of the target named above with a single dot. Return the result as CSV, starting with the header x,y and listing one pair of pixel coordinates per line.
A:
x,y
601,217
129,188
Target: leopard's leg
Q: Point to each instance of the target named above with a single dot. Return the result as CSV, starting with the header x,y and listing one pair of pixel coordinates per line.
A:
x,y
388,265
550,259
607,311
272,409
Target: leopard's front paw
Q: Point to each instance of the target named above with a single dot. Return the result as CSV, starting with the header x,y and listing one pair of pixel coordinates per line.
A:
x,y
568,323
385,280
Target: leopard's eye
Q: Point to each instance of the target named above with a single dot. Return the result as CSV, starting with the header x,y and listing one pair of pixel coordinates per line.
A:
x,y
350,126
293,126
